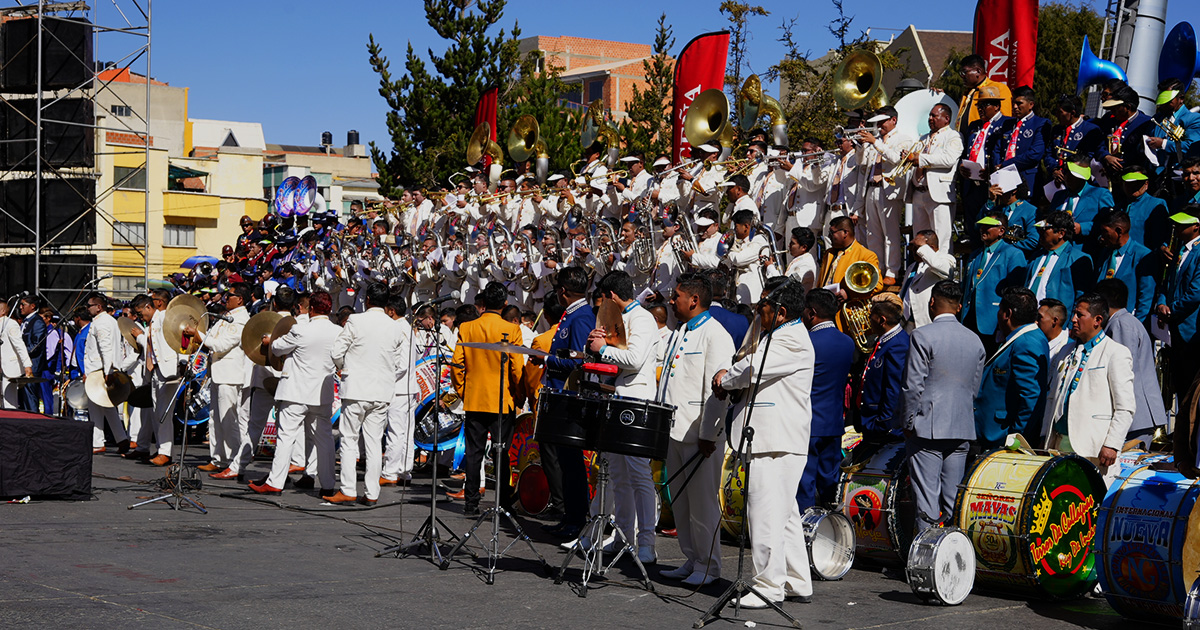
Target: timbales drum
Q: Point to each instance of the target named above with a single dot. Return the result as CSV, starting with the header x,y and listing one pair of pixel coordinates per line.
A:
x,y
1148,536
878,501
1032,520
830,540
566,418
941,565
634,427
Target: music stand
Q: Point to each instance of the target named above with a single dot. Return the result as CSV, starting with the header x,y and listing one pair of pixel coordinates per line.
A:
x,y
428,533
494,513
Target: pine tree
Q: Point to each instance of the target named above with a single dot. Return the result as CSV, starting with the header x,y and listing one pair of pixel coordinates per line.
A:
x,y
539,93
432,114
648,129
739,39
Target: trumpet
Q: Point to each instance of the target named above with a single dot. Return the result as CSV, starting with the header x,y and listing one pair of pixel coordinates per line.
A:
x,y
613,176
805,158
498,196
682,166
1171,130
852,134
902,169
436,195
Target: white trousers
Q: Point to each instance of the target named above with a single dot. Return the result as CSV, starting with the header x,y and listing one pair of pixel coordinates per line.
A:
x,y
312,421
100,416
776,537
369,417
137,417
160,425
930,215
697,507
634,506
398,458
881,230
9,398
223,433
254,408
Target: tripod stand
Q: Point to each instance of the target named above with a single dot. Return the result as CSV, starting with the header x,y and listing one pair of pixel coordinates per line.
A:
x,y
591,541
428,533
741,585
494,552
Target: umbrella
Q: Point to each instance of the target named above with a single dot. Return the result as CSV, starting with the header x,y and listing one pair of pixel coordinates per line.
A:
x,y
154,283
196,260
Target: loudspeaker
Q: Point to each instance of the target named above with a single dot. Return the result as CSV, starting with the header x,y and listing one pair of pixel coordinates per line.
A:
x,y
66,54
59,272
68,214
63,144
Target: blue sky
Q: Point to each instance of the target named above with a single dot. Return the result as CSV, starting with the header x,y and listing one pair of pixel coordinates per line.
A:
x,y
301,68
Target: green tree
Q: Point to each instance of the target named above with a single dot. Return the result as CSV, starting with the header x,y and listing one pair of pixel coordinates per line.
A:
x,y
432,113
1061,28
739,39
538,93
648,129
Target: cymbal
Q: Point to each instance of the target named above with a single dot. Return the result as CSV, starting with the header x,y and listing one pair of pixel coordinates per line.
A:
x,y
126,326
28,380
184,310
108,391
504,347
261,324
281,329
271,384
140,397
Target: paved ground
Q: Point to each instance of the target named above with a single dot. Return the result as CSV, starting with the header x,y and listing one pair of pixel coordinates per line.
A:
x,y
292,563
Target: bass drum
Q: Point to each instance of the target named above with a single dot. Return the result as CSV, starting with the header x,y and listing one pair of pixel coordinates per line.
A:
x,y
525,468
432,387
1149,542
1032,520
733,497
878,501
941,565
193,403
830,540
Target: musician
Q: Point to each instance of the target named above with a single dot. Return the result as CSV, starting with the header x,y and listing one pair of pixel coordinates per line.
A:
x,y
1092,396
738,196
973,71
884,205
743,255
1007,195
844,251
1147,214
1149,412
623,256
1081,200
804,200
930,265
1125,145
768,180
702,187
1191,184
102,354
1172,110
980,147
668,264
1123,258
1012,393
365,351
162,362
1023,138
778,407
305,396
877,390
844,192
945,364
834,360
1051,315
991,269
227,373
14,358
33,334
529,204
633,493
1060,270
803,267
933,173
695,353
637,184
667,191
427,270
1178,301
708,233
478,383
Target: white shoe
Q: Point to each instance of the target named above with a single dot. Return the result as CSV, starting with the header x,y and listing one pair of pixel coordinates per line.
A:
x,y
583,543
698,578
678,573
646,556
749,600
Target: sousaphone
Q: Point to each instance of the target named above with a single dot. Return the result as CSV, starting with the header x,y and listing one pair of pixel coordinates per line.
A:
x,y
754,104
525,141
596,129
708,119
481,144
252,333
858,81
182,311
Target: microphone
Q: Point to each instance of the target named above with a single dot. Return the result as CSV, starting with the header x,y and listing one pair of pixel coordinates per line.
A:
x,y
445,298
98,279
773,296
221,316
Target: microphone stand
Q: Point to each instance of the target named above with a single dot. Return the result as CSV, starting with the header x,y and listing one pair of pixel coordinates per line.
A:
x,y
744,451
60,378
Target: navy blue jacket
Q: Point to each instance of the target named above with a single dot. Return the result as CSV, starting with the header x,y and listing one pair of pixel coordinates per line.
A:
x,y
883,378
834,352
1086,140
572,334
33,333
1030,149
1132,152
734,324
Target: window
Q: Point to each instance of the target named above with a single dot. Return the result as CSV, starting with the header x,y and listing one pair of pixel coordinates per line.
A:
x,y
127,285
573,94
595,90
179,235
122,110
130,178
129,233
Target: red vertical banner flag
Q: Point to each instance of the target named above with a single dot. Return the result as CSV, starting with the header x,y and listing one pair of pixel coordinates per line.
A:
x,y
485,112
1006,38
699,67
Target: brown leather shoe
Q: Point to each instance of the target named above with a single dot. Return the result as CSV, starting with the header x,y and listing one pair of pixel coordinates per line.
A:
x,y
461,494
384,481
265,489
209,467
340,498
888,281
224,474
97,450
123,447
140,456
160,460
295,469
367,502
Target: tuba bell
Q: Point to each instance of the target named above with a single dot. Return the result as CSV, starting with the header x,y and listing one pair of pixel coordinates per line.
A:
x,y
860,281
858,81
754,104
525,142
1093,70
481,144
596,129
708,119
1179,58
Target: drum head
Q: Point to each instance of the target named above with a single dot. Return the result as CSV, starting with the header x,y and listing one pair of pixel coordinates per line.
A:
x,y
954,564
533,491
830,538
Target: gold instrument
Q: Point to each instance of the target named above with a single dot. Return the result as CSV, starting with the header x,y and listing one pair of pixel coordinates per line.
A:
x,y
281,328
681,166
436,195
528,280
684,240
902,169
182,311
252,333
108,391
525,142
1014,234
860,282
126,326
708,119
858,81
1171,130
499,196
754,104
596,128
613,176
604,240
481,144
608,317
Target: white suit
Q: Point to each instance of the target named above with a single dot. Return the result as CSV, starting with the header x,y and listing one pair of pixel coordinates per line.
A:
x,y
884,206
1103,403
807,203
931,267
931,187
398,458
743,257
102,353
163,387
14,360
365,352
227,374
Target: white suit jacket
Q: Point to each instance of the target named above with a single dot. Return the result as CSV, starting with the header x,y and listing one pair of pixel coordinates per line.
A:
x,y
224,340
743,257
14,356
807,205
638,360
166,360
889,149
365,352
1102,406
706,253
782,418
406,358
693,358
931,267
307,376
100,351
853,185
942,150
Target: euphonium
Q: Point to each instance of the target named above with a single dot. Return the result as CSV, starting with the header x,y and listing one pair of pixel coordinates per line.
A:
x,y
644,252
528,280
860,281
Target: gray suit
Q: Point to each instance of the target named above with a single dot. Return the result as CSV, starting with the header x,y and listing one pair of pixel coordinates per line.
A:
x,y
945,365
1126,330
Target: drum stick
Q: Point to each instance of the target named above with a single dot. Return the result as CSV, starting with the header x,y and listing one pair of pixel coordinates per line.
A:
x,y
687,479
682,468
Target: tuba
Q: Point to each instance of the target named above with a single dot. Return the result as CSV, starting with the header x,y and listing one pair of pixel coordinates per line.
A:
x,y
858,81
1093,70
596,129
525,142
481,144
754,104
708,119
860,281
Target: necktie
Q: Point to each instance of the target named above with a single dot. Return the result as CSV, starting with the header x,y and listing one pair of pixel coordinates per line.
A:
x,y
150,359
829,272
1112,266
1012,142
1037,280
980,140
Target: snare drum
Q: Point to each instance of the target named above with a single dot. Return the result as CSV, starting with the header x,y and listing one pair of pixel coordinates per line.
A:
x,y
566,418
1032,520
830,540
878,501
634,427
1149,543
941,565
